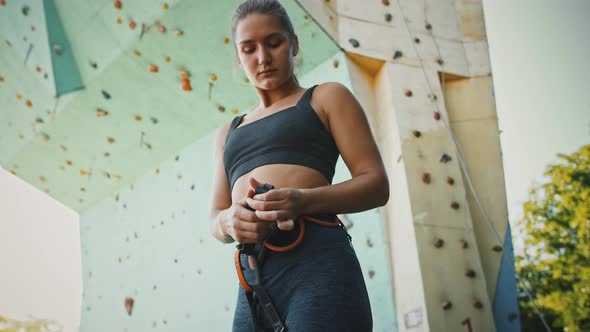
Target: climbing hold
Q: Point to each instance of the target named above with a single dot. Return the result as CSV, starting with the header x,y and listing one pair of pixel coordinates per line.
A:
x,y
428,26
450,180
470,273
147,145
385,2
193,187
19,97
110,139
118,4
93,64
417,133
369,243
83,172
445,158
186,85
426,177
137,117
128,302
100,112
8,42
234,111
69,162
1,78
39,120
153,68
221,108
178,32
464,244
45,137
388,17
161,28
477,304
184,74
42,178
165,6
417,40
397,54
497,248
154,120
25,10
439,61
167,58
105,94
57,49
335,63
82,189
355,43
2,3
119,20
226,40
213,77
408,93
246,79
371,274
455,205
132,24
438,243
446,305
137,53
63,148
29,103
38,69
436,115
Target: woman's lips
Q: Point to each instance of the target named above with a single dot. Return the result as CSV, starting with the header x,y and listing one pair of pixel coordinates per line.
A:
x,y
267,72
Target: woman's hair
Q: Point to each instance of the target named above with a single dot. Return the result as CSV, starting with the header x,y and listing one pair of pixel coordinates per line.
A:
x,y
271,7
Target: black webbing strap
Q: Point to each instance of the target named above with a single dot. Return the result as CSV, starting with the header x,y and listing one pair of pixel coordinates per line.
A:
x,y
251,271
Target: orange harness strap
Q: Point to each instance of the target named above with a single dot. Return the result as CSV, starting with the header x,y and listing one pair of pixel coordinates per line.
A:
x,y
301,220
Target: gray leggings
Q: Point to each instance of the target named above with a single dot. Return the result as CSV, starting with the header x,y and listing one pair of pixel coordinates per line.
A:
x,y
317,286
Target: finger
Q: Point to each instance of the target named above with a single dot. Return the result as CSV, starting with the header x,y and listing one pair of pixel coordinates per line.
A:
x,y
264,205
273,214
286,225
254,183
271,195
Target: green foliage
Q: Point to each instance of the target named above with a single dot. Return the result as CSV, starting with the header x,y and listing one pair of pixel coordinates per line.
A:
x,y
556,257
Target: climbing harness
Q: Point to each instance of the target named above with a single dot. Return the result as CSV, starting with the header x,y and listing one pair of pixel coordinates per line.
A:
x,y
249,259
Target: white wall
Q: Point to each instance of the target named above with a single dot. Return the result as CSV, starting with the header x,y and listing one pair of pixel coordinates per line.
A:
x,y
40,261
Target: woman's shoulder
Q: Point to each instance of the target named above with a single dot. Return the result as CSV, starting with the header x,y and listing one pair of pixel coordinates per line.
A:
x,y
223,130
329,94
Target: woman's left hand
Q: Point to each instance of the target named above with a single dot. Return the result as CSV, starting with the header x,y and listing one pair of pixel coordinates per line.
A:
x,y
281,204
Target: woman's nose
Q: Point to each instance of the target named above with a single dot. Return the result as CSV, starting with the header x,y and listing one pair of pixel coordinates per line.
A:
x,y
264,56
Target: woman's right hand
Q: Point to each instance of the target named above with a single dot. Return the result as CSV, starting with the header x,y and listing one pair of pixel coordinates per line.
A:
x,y
242,224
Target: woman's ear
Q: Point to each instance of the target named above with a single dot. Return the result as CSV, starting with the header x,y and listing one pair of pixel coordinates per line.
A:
x,y
295,45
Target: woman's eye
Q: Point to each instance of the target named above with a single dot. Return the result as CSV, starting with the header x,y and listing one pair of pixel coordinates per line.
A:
x,y
248,50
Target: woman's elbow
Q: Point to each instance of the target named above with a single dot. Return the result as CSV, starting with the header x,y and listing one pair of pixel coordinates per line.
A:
x,y
383,190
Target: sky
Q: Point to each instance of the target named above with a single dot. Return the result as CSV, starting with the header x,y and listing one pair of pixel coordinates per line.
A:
x,y
540,58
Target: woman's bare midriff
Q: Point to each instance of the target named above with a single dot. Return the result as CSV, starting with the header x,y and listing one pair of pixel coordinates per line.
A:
x,y
280,176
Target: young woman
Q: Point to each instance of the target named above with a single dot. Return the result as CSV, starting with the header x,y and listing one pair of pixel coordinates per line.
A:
x,y
292,141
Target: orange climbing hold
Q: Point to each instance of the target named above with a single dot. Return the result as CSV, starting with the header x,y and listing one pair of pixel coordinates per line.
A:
x,y
335,63
138,118
129,305
29,103
132,24
178,32
100,112
165,5
226,40
110,139
184,74
186,85
19,97
69,162
213,77
119,20
153,68
2,3
167,58
38,69
118,4
1,78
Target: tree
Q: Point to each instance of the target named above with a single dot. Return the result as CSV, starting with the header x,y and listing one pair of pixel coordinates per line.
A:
x,y
556,256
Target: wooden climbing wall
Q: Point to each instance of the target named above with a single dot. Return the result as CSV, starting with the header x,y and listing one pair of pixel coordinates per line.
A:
x,y
421,70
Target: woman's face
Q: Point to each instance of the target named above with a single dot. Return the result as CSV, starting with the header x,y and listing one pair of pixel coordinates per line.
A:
x,y
264,50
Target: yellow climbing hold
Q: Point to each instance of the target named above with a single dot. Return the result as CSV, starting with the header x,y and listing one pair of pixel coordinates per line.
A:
x,y
165,5
137,53
234,111
213,77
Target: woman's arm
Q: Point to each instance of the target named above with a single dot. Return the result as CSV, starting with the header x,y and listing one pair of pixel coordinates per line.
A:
x,y
220,193
369,186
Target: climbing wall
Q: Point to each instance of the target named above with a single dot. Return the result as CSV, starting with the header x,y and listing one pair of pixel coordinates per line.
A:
x,y
422,70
